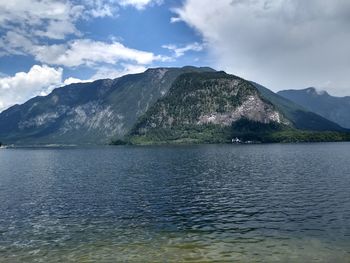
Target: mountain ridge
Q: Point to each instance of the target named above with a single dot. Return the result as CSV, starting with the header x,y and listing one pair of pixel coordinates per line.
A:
x,y
218,107
203,105
334,108
301,117
87,113
100,111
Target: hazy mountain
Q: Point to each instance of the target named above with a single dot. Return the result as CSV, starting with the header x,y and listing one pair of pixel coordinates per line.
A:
x,y
336,109
301,117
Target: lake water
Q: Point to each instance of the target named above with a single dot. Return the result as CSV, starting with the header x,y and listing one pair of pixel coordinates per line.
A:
x,y
209,203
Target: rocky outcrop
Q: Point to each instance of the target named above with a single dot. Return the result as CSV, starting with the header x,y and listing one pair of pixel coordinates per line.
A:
x,y
208,98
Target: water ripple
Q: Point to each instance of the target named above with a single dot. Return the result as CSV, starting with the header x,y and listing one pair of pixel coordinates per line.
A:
x,y
216,203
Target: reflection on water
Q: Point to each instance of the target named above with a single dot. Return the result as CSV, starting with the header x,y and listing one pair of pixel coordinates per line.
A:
x,y
176,204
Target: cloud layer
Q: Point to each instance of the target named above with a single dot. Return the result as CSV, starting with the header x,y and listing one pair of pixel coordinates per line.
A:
x,y
280,43
139,4
77,52
39,80
55,19
180,51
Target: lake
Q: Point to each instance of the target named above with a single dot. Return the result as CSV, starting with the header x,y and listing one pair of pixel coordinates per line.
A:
x,y
205,203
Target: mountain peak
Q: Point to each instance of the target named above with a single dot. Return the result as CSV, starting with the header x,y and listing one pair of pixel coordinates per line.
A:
x,y
200,101
316,91
333,108
92,112
183,68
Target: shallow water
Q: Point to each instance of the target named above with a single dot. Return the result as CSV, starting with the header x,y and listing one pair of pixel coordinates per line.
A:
x,y
209,203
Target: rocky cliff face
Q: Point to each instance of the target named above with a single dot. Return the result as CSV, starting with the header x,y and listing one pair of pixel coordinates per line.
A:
x,y
214,98
251,108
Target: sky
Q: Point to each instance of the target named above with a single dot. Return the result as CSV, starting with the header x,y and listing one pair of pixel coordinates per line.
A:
x,y
281,44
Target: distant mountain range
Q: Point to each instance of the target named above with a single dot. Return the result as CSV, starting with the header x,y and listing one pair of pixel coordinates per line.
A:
x,y
301,117
195,104
336,109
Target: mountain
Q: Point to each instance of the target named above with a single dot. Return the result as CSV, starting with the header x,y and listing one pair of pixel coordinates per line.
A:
x,y
216,107
198,101
88,113
301,117
336,109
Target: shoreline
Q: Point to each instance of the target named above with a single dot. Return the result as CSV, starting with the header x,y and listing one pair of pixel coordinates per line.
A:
x,y
61,146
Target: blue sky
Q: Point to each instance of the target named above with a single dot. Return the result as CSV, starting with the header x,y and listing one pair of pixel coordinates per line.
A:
x,y
145,28
281,44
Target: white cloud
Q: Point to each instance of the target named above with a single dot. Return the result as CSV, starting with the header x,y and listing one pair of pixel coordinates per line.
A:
x,y
72,80
175,19
281,43
112,73
78,52
27,24
101,8
139,4
89,52
180,51
108,72
58,30
39,80
56,19
47,18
